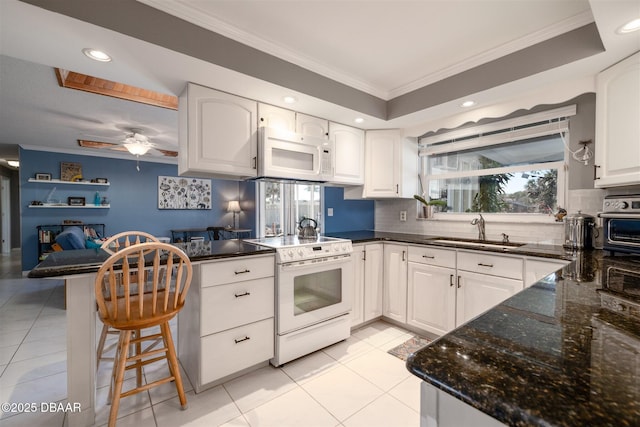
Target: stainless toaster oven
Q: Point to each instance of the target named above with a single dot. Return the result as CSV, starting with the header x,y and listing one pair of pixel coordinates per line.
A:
x,y
621,224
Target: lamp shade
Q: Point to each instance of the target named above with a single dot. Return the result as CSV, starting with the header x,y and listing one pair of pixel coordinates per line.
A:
x,y
137,148
234,206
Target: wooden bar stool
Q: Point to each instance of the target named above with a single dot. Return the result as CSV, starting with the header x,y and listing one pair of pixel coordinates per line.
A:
x,y
114,244
153,299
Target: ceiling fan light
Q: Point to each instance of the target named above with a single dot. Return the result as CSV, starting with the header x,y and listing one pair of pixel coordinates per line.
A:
x,y
137,148
14,163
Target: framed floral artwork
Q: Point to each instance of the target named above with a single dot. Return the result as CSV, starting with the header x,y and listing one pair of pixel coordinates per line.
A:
x,y
176,192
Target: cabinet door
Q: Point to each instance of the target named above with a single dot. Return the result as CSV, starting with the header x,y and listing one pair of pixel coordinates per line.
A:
x,y
348,148
478,293
373,279
395,282
217,134
276,117
357,262
381,160
312,126
617,126
431,299
391,165
537,269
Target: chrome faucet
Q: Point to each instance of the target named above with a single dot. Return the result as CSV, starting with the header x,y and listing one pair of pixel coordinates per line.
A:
x,y
480,223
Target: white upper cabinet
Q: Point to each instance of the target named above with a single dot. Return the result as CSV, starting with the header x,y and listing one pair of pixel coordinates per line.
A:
x,y
276,117
391,165
312,126
617,147
217,133
348,148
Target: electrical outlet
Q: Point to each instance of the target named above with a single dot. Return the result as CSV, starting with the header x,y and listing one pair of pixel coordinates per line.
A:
x,y
329,211
403,215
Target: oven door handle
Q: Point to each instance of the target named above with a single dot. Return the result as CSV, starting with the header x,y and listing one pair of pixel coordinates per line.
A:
x,y
341,259
619,215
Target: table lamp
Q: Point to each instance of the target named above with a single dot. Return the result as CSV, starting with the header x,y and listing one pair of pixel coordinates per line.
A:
x,y
234,206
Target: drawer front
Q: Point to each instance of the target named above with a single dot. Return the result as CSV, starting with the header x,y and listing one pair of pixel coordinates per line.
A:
x,y
231,351
227,306
236,270
432,256
496,265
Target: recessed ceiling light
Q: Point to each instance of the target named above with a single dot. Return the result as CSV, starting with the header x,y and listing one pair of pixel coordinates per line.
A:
x,y
629,27
467,104
358,120
289,99
96,55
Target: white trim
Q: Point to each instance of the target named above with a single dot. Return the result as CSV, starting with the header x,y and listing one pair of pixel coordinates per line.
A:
x,y
557,113
528,218
496,139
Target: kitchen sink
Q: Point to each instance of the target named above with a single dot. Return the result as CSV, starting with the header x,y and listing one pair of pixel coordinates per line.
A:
x,y
478,244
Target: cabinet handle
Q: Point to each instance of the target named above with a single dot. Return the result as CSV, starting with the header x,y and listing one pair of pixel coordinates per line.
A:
x,y
428,256
451,280
255,162
243,271
595,172
397,188
364,255
485,265
243,295
404,256
242,339
459,284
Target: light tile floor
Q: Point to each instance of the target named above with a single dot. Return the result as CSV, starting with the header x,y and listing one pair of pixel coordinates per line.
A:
x,y
352,383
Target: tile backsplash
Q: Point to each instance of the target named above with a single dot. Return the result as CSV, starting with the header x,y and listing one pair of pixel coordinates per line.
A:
x,y
387,218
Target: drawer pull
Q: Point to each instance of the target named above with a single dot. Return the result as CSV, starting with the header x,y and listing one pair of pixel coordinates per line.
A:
x,y
242,339
243,295
459,284
451,280
485,265
428,256
246,270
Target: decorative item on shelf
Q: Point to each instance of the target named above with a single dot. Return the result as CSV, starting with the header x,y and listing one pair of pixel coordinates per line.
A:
x,y
560,214
43,176
100,180
97,200
76,201
71,221
36,203
432,206
234,206
104,201
70,171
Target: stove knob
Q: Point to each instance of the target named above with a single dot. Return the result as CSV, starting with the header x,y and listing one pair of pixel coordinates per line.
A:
x,y
301,252
623,205
290,253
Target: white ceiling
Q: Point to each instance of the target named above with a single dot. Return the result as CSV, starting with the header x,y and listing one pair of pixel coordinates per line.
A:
x,y
382,48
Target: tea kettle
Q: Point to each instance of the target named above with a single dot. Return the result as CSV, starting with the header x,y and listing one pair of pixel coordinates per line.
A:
x,y
306,230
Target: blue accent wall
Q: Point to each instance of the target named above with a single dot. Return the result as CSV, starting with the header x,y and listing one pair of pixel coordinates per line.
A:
x,y
133,197
348,215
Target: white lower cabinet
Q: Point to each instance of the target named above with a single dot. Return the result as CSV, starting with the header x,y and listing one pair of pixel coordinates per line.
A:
x,y
227,325
431,297
484,281
395,282
367,286
478,293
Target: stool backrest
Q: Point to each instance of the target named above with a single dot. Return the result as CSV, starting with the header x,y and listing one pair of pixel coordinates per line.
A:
x,y
127,299
126,239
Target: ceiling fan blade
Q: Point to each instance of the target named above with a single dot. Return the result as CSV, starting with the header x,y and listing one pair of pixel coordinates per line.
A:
x,y
167,153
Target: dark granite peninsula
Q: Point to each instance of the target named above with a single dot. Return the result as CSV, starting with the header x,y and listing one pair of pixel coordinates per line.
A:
x,y
564,352
82,261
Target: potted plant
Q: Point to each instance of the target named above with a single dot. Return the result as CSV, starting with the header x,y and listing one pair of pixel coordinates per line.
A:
x,y
432,206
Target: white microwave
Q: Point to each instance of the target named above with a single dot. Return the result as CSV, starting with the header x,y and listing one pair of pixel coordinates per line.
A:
x,y
288,155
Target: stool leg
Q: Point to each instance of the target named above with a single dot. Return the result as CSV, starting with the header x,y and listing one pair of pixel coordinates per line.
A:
x,y
103,338
123,350
138,351
173,363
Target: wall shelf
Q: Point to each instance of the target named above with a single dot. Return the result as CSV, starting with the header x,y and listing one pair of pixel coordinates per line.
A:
x,y
59,181
69,207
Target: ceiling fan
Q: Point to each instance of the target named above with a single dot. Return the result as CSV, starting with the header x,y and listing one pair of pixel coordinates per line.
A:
x,y
135,143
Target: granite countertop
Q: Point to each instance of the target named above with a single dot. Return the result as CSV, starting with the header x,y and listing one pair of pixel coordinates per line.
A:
x,y
83,261
529,249
564,352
